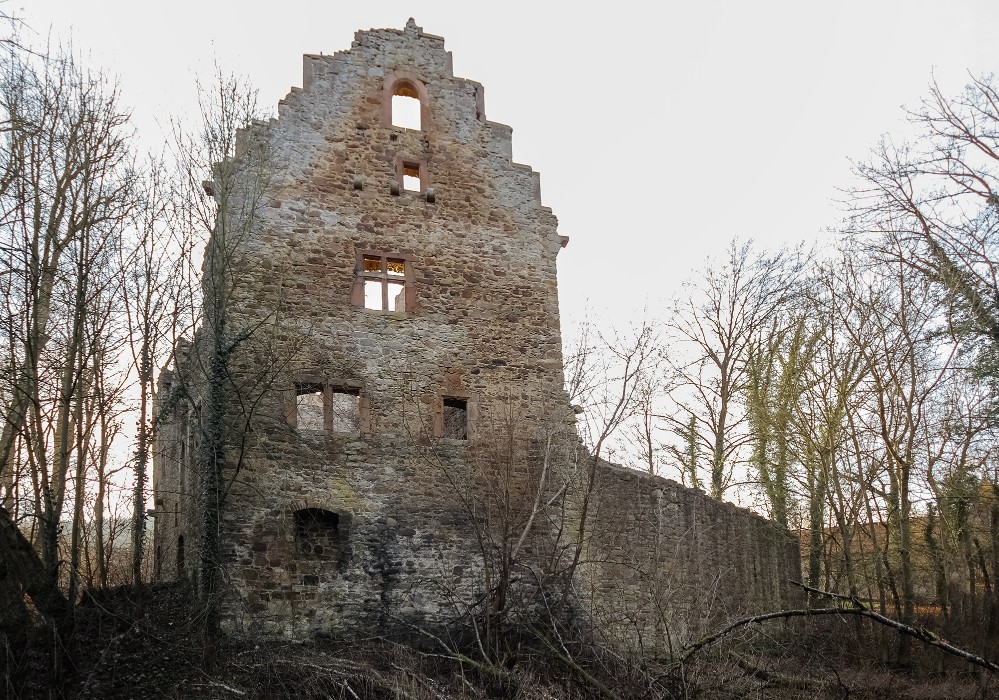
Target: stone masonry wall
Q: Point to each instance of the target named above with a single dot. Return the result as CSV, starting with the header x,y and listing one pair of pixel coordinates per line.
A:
x,y
666,562
176,485
386,520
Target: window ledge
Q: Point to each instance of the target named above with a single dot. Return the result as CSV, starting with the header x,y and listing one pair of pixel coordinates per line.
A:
x,y
383,312
311,432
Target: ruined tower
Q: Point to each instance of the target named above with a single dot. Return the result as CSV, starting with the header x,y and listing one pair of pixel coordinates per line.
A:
x,y
397,413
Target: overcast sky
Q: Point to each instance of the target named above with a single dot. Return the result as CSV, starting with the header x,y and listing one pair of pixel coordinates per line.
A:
x,y
659,132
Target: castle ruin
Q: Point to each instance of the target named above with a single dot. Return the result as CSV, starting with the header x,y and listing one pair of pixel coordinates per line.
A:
x,y
401,444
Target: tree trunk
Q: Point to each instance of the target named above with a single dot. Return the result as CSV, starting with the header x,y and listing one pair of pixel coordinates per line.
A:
x,y
29,571
141,466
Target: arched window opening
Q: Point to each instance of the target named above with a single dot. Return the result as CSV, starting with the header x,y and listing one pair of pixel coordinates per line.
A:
x,y
317,533
406,107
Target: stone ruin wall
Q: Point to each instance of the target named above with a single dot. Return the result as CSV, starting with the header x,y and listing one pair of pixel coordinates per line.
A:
x,y
176,487
661,554
481,326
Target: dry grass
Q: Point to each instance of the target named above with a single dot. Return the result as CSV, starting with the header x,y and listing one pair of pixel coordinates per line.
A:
x,y
119,654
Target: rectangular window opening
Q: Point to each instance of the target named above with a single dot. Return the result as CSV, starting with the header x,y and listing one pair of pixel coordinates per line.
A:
x,y
309,407
373,295
345,410
456,419
396,296
384,282
317,533
411,180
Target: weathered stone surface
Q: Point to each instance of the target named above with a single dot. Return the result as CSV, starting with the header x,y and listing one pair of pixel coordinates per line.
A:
x,y
454,402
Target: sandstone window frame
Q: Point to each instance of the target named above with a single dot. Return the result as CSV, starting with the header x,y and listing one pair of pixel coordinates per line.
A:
x,y
444,429
305,395
333,415
343,419
385,280
408,169
405,84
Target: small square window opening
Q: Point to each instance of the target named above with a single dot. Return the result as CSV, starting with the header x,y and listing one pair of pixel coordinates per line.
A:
x,y
411,177
317,533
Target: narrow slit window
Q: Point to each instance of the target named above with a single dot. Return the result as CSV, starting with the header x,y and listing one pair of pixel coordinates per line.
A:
x,y
406,107
345,410
309,408
181,555
411,177
456,419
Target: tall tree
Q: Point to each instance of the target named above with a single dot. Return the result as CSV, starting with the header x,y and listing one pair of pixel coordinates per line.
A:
x,y
65,196
777,364
935,206
237,173
151,267
716,325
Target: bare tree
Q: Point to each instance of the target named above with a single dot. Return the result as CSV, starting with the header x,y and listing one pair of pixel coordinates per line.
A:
x,y
716,326
614,371
65,196
237,173
929,207
151,266
934,204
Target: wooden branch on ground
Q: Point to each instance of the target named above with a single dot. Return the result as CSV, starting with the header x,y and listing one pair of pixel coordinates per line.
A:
x,y
920,633
564,658
774,678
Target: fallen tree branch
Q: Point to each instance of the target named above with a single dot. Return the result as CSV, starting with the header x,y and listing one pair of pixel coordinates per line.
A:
x,y
774,678
922,634
692,649
858,608
580,671
419,679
